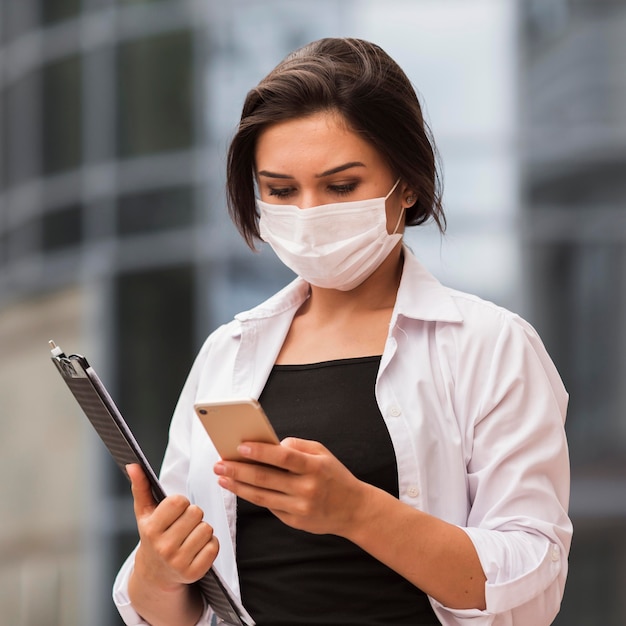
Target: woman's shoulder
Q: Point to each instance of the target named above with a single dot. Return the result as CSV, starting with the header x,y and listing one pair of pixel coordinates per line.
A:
x,y
476,309
422,296
470,327
493,334
489,328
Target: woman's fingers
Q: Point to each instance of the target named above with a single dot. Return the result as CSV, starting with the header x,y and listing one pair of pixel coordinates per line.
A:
x,y
176,545
283,468
142,493
197,552
300,481
293,455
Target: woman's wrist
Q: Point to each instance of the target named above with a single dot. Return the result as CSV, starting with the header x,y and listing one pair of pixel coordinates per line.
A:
x,y
365,507
160,603
146,575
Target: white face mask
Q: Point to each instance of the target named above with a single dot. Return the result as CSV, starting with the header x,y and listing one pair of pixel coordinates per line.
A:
x,y
336,246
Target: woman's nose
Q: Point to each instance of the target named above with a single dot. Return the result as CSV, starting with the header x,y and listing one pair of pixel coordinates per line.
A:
x,y
309,199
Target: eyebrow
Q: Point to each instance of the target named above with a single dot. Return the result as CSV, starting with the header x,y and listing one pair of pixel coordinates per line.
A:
x,y
332,170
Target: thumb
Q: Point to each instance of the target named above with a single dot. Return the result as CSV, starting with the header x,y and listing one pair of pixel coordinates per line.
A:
x,y
141,490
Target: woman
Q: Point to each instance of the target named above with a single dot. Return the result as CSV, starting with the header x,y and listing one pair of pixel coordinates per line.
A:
x,y
422,476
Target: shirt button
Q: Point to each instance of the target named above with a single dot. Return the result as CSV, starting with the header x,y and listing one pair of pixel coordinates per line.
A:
x,y
413,491
556,553
395,411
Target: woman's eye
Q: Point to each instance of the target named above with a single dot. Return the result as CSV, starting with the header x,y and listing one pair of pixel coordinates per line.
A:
x,y
336,189
280,192
342,190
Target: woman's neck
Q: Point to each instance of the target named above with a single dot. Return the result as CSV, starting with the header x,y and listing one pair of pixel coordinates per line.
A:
x,y
376,292
334,324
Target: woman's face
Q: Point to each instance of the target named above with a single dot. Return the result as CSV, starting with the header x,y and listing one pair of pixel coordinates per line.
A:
x,y
317,160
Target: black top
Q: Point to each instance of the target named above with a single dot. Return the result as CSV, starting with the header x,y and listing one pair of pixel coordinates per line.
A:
x,y
290,577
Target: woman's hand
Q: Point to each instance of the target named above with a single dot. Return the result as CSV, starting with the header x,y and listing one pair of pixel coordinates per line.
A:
x,y
308,488
299,481
176,547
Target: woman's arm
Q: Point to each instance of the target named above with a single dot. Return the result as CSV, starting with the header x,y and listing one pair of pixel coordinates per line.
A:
x,y
309,489
434,555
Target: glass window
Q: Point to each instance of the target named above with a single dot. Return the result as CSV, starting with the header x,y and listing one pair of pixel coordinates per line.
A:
x,y
153,211
17,18
155,94
56,10
124,2
61,228
596,335
99,100
23,240
3,249
21,130
580,313
61,115
97,4
595,583
154,321
4,148
596,184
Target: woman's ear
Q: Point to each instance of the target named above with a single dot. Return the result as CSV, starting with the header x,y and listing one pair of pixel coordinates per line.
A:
x,y
409,196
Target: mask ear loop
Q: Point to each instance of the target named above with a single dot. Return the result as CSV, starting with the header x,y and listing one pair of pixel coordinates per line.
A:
x,y
392,189
395,230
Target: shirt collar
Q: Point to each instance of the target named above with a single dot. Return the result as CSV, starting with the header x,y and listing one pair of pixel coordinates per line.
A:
x,y
421,296
290,297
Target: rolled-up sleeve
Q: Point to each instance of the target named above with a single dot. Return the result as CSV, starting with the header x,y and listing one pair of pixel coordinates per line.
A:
x,y
120,594
518,477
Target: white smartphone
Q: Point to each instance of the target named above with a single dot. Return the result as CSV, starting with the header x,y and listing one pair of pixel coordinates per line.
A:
x,y
231,422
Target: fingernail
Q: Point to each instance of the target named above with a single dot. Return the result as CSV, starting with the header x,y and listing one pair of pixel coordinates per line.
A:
x,y
219,469
244,450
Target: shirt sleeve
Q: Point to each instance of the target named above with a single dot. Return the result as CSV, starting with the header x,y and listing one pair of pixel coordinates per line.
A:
x,y
518,478
173,477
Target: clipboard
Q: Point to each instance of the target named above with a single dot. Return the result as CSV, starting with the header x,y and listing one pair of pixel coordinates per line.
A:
x,y
108,422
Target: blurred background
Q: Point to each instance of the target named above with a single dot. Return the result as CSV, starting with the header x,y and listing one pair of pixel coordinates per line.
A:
x,y
115,116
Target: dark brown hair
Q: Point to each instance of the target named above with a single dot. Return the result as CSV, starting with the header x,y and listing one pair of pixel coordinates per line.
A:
x,y
367,87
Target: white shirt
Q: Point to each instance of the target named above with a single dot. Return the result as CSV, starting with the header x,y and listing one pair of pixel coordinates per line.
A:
x,y
475,410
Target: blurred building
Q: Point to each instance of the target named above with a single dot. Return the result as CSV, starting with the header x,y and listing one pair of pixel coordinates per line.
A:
x,y
114,240
573,96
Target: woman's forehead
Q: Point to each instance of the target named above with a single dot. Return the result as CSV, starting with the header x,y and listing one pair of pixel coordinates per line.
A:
x,y
319,142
